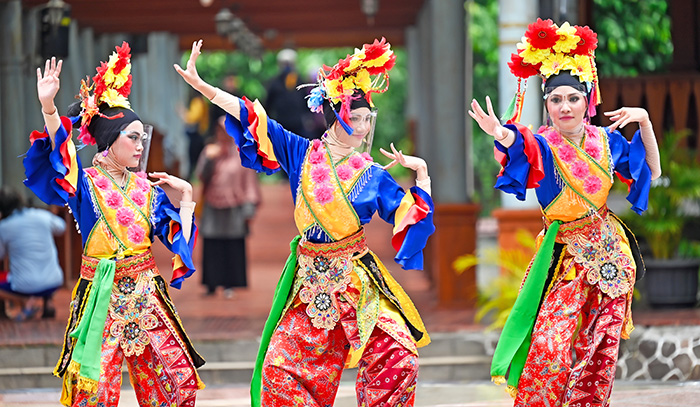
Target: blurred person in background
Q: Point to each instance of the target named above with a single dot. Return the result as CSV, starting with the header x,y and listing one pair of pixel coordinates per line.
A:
x,y
230,196
196,118
27,241
284,103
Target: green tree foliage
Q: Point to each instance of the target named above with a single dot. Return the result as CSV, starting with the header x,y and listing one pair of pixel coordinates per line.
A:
x,y
255,74
482,22
634,36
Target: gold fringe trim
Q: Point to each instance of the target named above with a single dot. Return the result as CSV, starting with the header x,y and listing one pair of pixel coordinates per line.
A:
x,y
512,391
73,368
499,380
87,384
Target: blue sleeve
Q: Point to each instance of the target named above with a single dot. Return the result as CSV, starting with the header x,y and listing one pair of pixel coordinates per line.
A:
x,y
167,226
629,160
410,241
516,170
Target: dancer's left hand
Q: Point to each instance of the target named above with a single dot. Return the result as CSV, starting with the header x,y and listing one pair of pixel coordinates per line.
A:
x,y
178,184
625,115
414,163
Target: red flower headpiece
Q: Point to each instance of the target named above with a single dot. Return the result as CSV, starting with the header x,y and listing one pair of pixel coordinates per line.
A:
x,y
111,85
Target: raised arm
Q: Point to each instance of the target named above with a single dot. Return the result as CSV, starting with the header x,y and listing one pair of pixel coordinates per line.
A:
x,y
225,100
47,86
490,124
625,115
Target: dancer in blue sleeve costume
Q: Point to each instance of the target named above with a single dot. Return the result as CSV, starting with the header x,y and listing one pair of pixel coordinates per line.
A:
x,y
577,293
336,304
120,307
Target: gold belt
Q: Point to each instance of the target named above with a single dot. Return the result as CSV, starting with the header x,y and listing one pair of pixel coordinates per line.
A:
x,y
128,266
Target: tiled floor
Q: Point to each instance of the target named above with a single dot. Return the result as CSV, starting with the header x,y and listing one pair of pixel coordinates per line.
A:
x,y
625,394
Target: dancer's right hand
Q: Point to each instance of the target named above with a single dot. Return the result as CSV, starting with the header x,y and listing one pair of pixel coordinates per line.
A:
x,y
489,123
190,74
48,83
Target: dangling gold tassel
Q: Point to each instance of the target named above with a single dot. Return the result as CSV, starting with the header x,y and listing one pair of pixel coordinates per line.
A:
x,y
499,380
512,391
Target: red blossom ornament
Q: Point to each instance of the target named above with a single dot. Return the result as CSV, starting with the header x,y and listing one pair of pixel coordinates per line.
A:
x,y
124,55
125,90
542,34
521,69
588,41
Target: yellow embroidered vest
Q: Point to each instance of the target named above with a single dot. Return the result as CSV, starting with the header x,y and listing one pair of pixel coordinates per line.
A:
x,y
584,173
123,216
322,197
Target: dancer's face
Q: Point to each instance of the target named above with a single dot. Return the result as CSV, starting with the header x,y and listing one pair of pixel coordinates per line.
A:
x,y
128,147
567,107
361,123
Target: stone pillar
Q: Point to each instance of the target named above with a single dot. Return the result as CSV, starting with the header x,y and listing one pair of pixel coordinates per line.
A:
x,y
442,141
14,140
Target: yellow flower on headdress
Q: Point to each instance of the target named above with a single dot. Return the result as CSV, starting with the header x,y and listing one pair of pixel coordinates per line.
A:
x,y
114,99
333,88
530,54
380,60
363,80
355,62
581,66
555,63
568,39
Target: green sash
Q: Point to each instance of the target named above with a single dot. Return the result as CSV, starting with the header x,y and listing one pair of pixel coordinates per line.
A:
x,y
514,343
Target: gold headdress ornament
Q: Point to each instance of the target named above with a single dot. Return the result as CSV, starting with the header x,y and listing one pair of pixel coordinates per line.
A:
x,y
546,50
366,70
111,85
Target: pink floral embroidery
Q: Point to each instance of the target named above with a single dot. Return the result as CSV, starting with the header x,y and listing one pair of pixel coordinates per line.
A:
x,y
356,162
319,174
138,197
367,157
101,182
114,199
91,171
316,157
141,174
316,144
567,153
554,138
143,184
580,169
135,233
323,194
592,184
593,149
125,216
344,172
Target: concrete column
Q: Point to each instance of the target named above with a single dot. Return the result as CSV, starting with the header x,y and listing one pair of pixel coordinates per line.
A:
x,y
513,19
14,140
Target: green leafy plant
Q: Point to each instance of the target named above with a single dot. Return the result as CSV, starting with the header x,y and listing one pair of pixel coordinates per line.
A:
x,y
634,37
498,298
662,224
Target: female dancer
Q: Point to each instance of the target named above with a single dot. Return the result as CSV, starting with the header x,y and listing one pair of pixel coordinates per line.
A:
x,y
120,308
577,293
336,304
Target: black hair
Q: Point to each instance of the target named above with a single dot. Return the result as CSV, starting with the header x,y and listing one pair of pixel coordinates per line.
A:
x,y
10,201
564,78
358,100
106,129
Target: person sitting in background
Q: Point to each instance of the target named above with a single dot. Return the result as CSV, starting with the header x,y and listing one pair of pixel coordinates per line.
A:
x,y
26,239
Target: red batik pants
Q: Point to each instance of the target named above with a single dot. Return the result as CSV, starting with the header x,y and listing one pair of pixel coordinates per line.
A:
x,y
575,318
163,375
303,364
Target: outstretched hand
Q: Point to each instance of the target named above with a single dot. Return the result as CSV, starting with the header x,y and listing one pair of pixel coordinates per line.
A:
x,y
48,84
178,184
625,115
190,74
489,123
408,161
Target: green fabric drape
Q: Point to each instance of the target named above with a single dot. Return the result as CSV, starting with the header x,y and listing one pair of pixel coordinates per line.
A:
x,y
284,285
88,347
514,343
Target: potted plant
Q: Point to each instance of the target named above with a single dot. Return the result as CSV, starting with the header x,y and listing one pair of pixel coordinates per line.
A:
x,y
671,277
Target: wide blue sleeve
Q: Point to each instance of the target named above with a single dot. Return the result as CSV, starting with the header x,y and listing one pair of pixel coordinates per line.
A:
x,y
629,160
413,224
46,168
167,225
